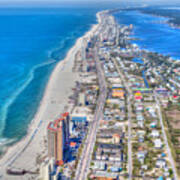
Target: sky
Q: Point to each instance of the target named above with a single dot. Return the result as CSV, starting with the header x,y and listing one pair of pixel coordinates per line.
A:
x,y
84,2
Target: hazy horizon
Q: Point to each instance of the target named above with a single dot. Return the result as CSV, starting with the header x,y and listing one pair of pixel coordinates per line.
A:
x,y
41,3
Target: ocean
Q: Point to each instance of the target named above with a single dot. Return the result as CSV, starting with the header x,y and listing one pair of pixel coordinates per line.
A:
x,y
32,41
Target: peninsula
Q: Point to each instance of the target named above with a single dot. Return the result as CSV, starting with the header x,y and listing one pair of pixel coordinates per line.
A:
x,y
104,115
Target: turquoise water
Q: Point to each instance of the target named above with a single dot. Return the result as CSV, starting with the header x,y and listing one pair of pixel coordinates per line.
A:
x,y
32,41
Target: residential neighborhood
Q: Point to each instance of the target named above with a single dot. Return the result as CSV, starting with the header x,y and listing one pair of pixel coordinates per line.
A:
x,y
131,139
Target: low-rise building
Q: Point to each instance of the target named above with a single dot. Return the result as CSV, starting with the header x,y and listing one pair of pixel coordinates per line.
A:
x,y
158,143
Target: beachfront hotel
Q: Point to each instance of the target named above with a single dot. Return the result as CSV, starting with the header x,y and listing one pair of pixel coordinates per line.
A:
x,y
58,137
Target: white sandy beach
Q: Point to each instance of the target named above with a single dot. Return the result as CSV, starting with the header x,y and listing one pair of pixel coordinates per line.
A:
x,y
23,154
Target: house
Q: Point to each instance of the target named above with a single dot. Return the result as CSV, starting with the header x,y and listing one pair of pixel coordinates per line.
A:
x,y
140,124
99,165
115,157
141,156
104,175
153,124
138,96
149,98
118,94
141,139
174,98
121,118
116,138
152,112
73,145
161,163
169,178
98,156
155,133
114,101
81,99
104,139
104,157
166,173
158,143
139,108
141,133
80,115
139,117
145,167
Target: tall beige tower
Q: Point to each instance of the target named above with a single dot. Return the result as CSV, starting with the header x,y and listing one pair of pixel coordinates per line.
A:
x,y
56,140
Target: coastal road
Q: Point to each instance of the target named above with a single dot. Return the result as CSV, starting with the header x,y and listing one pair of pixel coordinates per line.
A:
x,y
165,138
129,107
84,161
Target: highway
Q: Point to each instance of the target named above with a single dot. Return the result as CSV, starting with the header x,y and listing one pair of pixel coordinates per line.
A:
x,y
84,161
129,99
165,138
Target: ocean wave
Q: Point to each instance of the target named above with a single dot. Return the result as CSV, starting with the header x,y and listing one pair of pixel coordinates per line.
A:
x,y
13,97
55,53
171,8
6,141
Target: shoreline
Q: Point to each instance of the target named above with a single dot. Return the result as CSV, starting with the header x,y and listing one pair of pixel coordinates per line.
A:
x,y
37,127
167,21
